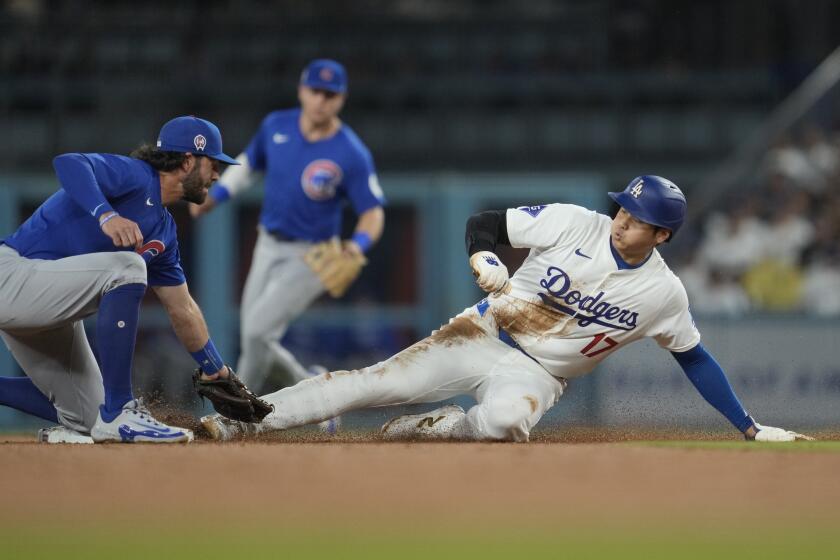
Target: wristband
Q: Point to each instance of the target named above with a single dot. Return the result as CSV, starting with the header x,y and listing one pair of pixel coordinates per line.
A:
x,y
363,240
103,222
208,358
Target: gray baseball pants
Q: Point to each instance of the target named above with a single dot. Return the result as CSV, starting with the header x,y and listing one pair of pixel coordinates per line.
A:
x,y
280,286
42,304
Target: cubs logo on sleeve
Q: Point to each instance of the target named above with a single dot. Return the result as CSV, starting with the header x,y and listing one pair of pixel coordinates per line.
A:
x,y
151,249
321,178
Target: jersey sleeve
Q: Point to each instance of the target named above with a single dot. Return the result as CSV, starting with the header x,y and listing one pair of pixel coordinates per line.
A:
x,y
544,226
675,329
362,184
256,148
92,180
165,269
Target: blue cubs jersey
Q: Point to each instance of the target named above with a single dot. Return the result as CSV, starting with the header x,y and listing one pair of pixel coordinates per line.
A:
x,y
307,183
67,225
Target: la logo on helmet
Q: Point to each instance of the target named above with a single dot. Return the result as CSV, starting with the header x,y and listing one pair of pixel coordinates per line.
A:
x,y
636,191
200,142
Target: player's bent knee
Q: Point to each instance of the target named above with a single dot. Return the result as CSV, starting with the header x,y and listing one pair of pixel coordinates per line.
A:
x,y
127,268
506,420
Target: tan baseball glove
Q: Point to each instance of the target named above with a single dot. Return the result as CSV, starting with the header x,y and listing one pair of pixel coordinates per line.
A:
x,y
336,266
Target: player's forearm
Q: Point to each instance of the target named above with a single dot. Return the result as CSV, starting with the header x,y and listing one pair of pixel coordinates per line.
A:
x,y
189,325
234,180
710,381
485,230
76,176
191,329
369,228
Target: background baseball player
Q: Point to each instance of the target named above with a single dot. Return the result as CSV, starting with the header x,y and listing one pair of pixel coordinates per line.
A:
x,y
313,163
94,246
589,287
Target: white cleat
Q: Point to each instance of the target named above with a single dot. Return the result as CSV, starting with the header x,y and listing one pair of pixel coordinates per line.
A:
x,y
225,429
135,424
437,424
61,434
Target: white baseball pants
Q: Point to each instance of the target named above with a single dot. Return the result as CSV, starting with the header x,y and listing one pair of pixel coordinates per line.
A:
x,y
463,357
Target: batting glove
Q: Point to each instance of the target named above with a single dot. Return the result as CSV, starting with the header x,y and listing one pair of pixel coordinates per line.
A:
x,y
771,434
490,272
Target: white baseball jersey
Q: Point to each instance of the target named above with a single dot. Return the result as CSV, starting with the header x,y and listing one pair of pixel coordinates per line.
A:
x,y
571,304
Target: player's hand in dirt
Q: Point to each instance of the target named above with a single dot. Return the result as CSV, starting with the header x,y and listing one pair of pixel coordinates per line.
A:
x,y
123,232
771,434
490,272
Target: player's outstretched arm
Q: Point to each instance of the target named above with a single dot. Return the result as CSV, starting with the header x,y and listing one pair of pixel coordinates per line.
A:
x,y
484,231
235,179
710,381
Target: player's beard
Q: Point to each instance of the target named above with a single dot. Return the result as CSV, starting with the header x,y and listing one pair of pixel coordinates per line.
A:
x,y
195,189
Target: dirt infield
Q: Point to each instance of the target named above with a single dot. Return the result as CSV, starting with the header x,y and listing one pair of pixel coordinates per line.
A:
x,y
358,480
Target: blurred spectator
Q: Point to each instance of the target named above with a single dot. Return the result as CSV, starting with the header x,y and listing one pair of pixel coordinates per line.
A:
x,y
820,152
713,292
792,162
791,230
735,240
821,289
774,285
778,249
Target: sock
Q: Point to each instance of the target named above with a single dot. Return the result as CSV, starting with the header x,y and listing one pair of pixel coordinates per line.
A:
x,y
116,332
21,394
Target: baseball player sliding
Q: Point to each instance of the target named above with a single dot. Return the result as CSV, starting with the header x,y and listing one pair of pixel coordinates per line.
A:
x,y
589,287
93,247
313,163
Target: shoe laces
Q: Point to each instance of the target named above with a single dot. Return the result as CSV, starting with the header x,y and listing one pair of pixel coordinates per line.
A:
x,y
141,410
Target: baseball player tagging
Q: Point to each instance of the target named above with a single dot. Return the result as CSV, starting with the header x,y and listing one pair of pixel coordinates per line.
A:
x,y
589,286
93,247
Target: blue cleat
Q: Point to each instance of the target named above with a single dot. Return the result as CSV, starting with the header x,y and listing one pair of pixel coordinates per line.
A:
x,y
135,424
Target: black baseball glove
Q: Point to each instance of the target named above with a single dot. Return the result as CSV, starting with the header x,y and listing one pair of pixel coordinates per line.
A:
x,y
231,398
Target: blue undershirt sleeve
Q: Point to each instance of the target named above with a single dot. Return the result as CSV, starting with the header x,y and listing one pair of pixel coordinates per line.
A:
x,y
710,381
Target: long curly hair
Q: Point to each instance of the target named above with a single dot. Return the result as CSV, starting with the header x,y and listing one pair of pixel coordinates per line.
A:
x,y
159,159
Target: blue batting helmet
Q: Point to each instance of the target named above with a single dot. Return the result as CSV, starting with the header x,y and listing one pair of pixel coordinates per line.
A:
x,y
653,200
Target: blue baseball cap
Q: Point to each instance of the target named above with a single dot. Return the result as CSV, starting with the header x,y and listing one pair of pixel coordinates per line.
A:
x,y
193,136
324,73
